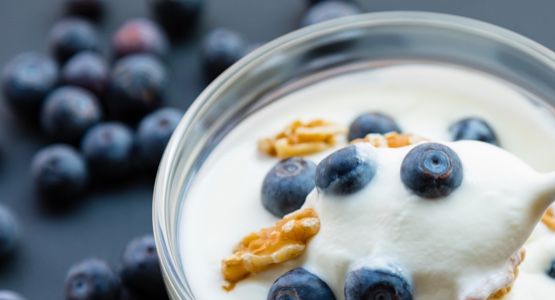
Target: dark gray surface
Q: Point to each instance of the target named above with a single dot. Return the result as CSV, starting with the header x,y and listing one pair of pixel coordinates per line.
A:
x,y
108,218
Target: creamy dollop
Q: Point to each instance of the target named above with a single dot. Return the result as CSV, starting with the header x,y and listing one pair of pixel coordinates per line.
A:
x,y
458,242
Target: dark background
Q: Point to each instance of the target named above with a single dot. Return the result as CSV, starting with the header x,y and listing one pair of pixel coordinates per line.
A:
x,y
109,217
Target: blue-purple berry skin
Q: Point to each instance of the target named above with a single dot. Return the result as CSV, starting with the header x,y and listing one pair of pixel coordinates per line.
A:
x,y
221,48
92,279
88,70
299,284
70,36
432,170
109,151
344,172
26,81
140,269
475,129
9,232
153,134
371,122
138,85
10,295
140,35
329,10
59,173
68,112
287,184
366,283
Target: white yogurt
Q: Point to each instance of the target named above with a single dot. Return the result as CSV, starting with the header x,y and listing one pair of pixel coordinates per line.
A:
x,y
223,204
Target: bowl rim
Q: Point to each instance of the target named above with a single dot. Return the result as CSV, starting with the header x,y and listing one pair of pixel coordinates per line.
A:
x,y
299,36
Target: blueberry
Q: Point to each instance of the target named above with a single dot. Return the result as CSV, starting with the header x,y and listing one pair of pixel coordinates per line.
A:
x,y
137,86
59,172
85,8
344,172
9,232
328,10
9,295
220,49
287,184
473,129
299,284
140,35
108,150
26,81
431,170
551,271
70,36
154,132
140,271
176,16
365,282
68,112
88,70
371,123
92,279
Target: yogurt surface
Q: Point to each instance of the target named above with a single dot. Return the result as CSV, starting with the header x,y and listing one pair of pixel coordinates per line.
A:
x,y
223,204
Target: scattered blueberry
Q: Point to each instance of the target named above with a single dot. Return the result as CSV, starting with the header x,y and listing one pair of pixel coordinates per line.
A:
x,y
9,295
432,170
344,172
287,184
68,112
153,134
176,16
70,36
299,284
473,129
108,150
328,10
59,172
85,8
9,232
140,271
88,70
139,35
137,86
26,80
220,49
551,271
371,123
92,279
366,283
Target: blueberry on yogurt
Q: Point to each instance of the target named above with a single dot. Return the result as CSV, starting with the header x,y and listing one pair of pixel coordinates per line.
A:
x,y
551,270
299,284
371,123
431,170
375,283
344,172
473,129
286,186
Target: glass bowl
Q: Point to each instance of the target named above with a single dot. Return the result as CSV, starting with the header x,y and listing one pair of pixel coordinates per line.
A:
x,y
317,52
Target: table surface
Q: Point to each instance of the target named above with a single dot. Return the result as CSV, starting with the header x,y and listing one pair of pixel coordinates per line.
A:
x,y
109,217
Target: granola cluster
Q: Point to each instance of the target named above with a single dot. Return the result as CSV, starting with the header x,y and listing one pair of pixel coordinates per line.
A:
x,y
259,250
299,139
549,219
390,140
